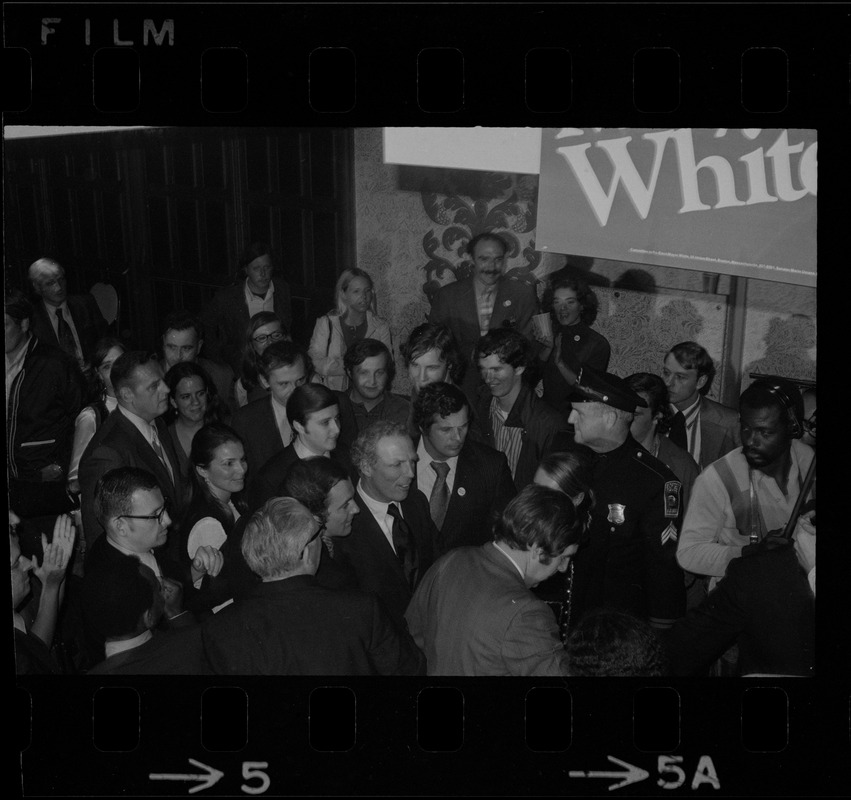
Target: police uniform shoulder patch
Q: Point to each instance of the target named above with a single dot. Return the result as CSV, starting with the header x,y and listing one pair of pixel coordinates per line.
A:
x,y
673,492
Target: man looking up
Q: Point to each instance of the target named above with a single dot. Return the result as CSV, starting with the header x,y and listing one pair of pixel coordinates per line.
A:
x,y
630,562
742,498
510,416
704,428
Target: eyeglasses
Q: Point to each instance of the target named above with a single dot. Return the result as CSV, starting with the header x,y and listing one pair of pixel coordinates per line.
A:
x,y
810,424
158,516
268,337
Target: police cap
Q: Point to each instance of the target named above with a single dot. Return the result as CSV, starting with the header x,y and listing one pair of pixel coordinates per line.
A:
x,y
603,387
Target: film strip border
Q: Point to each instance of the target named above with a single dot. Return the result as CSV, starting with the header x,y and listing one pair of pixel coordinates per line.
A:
x,y
469,64
295,736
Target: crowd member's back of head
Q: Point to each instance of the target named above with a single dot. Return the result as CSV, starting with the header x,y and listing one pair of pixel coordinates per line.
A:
x,y
570,472
607,643
539,517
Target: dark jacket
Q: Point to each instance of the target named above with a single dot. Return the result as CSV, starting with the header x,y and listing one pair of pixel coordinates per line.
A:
x,y
172,652
45,398
482,488
295,626
118,443
87,319
630,560
370,556
454,306
543,430
258,429
226,319
763,603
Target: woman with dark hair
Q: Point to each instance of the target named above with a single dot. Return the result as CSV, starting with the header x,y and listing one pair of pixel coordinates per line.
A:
x,y
573,309
102,402
314,414
193,403
263,329
569,473
353,319
216,480
233,306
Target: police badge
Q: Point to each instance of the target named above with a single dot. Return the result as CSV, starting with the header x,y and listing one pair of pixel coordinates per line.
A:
x,y
616,513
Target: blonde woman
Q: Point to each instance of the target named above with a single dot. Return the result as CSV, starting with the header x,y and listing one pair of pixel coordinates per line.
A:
x,y
353,319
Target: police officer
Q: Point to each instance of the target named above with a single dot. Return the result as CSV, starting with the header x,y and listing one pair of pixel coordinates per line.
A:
x,y
630,561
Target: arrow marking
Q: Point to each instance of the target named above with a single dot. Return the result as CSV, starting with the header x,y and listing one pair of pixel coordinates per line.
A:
x,y
632,775
211,777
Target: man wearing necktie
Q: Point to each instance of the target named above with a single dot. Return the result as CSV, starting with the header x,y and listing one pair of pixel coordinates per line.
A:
x,y
466,482
72,322
705,429
133,435
392,538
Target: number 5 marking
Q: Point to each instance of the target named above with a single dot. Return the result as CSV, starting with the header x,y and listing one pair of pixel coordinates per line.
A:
x,y
254,769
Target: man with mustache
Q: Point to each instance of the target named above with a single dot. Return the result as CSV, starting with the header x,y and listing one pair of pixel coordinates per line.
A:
x,y
743,498
484,302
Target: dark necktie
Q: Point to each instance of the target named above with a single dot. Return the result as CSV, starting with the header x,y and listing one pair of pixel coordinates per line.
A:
x,y
403,542
66,337
439,499
678,431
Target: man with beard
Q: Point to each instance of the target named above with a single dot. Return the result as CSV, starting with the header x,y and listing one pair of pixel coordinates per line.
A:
x,y
741,501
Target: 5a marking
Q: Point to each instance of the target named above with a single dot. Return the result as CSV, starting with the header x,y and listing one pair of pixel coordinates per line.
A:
x,y
251,770
667,765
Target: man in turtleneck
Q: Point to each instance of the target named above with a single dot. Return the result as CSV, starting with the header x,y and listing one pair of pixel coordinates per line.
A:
x,y
630,562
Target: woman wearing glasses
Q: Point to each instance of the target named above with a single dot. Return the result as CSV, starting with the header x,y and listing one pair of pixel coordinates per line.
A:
x,y
264,328
353,319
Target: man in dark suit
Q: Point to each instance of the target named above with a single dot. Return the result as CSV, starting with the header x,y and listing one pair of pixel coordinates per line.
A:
x,y
182,341
130,505
226,318
74,322
263,423
125,606
393,536
704,428
474,613
133,435
486,301
290,625
467,483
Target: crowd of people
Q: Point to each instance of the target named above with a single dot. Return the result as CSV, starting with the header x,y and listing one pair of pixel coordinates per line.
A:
x,y
239,503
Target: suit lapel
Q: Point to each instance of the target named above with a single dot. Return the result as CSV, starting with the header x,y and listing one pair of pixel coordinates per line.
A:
x,y
377,541
146,453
